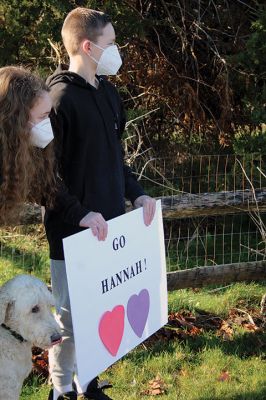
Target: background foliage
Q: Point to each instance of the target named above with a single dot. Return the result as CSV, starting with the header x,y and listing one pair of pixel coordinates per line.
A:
x,y
197,66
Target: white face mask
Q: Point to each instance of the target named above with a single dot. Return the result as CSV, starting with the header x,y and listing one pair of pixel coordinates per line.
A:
x,y
42,133
109,62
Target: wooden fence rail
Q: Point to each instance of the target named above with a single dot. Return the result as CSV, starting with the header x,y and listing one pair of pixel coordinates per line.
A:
x,y
216,203
218,274
187,205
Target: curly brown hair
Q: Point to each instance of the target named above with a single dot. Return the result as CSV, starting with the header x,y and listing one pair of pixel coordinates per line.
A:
x,y
26,172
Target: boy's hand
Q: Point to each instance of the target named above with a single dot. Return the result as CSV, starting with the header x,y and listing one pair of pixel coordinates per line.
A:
x,y
149,207
97,223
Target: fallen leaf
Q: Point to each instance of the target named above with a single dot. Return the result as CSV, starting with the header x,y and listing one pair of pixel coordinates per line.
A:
x,y
225,331
251,327
40,362
156,387
195,331
224,376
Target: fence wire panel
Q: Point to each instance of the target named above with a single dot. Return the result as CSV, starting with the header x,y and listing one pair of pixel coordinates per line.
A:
x,y
190,242
23,250
201,174
215,240
211,240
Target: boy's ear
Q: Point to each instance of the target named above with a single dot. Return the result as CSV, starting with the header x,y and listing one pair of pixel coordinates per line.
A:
x,y
86,45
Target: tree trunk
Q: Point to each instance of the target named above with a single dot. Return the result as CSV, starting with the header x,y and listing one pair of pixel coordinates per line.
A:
x,y
218,274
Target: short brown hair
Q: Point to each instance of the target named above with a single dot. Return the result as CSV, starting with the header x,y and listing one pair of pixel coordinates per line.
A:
x,y
82,23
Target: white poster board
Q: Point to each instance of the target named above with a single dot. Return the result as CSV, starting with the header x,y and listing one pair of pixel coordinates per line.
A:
x,y
118,289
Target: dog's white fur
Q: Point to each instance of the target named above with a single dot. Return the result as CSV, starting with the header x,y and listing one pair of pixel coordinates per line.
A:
x,y
25,307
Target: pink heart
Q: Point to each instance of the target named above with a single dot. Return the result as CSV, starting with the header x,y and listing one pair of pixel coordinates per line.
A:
x,y
111,329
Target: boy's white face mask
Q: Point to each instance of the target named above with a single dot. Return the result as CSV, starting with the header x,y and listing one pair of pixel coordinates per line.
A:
x,y
42,133
109,62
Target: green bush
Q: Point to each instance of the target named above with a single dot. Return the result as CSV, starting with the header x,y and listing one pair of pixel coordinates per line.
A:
x,y
248,140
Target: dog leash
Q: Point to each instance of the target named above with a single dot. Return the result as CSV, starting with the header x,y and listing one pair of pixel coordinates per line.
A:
x,y
13,333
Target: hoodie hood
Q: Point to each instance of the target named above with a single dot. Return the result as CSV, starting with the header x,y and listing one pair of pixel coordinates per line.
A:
x,y
63,75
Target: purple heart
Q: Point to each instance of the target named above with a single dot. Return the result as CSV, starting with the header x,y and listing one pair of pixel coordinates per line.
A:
x,y
137,311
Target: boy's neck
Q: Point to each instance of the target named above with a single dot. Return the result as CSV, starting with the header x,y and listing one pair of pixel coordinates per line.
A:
x,y
87,72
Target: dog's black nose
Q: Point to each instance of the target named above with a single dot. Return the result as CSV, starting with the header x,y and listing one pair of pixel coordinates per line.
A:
x,y
56,338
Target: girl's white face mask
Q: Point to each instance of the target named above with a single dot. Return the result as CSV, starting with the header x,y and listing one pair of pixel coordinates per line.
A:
x,y
42,133
109,62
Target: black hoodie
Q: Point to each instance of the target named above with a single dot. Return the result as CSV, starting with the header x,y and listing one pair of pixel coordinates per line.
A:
x,y
88,124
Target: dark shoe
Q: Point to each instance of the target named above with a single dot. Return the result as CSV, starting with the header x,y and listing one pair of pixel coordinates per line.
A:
x,y
95,391
65,396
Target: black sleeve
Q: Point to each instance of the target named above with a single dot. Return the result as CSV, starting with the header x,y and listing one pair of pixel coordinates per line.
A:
x,y
65,204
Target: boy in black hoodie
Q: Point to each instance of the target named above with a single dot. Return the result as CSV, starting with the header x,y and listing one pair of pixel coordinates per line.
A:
x,y
88,121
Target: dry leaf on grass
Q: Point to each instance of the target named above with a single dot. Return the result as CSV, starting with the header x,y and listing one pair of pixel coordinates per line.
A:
x,y
183,324
225,376
245,319
195,331
251,327
156,387
225,331
40,362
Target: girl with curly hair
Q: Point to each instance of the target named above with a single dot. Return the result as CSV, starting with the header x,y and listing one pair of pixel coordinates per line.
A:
x,y
26,151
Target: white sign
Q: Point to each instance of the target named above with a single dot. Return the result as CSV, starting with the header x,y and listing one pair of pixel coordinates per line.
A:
x,y
117,288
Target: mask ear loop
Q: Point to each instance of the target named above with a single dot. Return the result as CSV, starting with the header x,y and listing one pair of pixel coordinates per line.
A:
x,y
94,59
96,45
37,123
102,48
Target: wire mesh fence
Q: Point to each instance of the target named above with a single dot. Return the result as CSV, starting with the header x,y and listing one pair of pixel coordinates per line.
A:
x,y
202,173
189,242
23,249
212,240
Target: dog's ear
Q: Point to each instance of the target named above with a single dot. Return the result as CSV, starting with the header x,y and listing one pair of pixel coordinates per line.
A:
x,y
4,300
47,295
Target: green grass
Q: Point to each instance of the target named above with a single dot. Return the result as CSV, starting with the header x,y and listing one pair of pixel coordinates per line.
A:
x,y
34,389
190,375
236,295
24,250
191,368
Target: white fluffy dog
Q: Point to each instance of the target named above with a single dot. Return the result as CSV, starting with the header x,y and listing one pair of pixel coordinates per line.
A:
x,y
25,320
